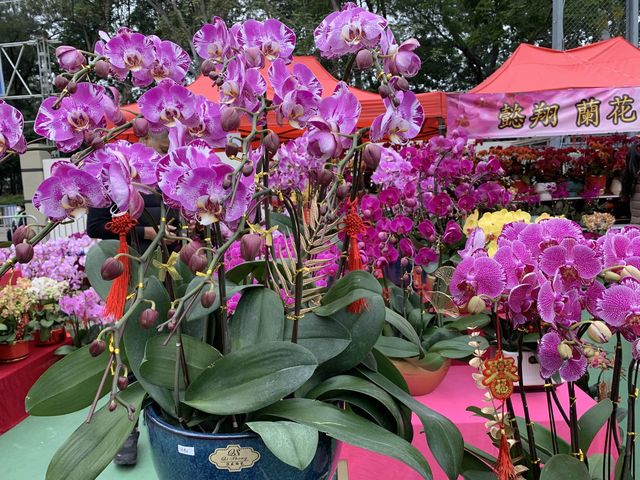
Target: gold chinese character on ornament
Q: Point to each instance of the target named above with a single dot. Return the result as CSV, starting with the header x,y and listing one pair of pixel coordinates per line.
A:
x,y
499,375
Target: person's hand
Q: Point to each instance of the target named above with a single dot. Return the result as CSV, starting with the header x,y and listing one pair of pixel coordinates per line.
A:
x,y
169,238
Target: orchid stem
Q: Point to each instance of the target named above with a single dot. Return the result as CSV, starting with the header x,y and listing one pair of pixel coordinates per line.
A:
x,y
533,454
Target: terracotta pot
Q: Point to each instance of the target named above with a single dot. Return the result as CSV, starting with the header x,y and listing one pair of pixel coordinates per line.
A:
x,y
520,186
55,336
420,380
13,352
598,182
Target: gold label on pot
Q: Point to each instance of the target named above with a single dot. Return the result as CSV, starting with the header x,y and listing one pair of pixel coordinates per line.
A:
x,y
234,458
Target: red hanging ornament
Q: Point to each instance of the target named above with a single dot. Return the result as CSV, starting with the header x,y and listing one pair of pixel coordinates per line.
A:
x,y
121,225
500,373
354,226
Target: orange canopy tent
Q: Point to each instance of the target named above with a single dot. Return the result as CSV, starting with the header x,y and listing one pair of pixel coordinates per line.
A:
x,y
434,103
610,63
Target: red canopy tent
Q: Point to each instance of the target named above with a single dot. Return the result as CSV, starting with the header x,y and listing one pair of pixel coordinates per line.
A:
x,y
434,103
610,63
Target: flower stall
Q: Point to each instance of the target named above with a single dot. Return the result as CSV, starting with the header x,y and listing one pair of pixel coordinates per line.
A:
x,y
343,293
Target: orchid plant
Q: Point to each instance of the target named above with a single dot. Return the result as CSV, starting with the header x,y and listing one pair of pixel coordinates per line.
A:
x,y
576,293
287,315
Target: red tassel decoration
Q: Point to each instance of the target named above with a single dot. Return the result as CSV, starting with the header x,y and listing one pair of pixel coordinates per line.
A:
x,y
114,306
354,226
504,466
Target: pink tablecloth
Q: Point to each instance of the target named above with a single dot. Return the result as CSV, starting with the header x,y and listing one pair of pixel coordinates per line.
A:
x,y
453,396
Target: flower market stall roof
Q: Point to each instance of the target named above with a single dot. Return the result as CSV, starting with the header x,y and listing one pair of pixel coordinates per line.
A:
x,y
610,63
539,92
434,103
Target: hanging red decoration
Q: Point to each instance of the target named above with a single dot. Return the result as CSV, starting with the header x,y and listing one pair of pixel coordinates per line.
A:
x,y
121,225
354,226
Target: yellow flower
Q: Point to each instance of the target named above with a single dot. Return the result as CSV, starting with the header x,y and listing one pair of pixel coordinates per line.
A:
x,y
471,223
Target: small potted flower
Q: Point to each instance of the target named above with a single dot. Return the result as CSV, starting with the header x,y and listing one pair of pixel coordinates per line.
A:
x,y
47,321
85,320
15,302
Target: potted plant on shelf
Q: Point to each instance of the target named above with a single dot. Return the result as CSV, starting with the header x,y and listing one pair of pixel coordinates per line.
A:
x,y
47,321
259,367
85,321
15,331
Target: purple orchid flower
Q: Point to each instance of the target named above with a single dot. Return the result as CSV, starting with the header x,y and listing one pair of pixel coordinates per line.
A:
x,y
401,123
538,236
170,61
619,305
348,31
68,192
213,41
295,166
242,86
166,104
130,51
551,361
272,37
284,81
205,125
399,59
558,304
425,256
576,264
476,241
621,246
522,299
440,204
11,128
337,114
476,276
427,230
393,169
81,112
516,261
452,233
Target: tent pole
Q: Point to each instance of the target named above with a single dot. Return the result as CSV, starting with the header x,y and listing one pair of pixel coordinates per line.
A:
x,y
632,21
557,27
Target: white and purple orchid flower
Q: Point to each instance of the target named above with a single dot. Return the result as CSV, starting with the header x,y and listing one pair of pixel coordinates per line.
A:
x,y
213,41
76,115
400,124
272,38
552,362
166,104
69,192
11,128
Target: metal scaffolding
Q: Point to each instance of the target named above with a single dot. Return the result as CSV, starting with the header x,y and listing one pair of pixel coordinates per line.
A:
x,y
12,54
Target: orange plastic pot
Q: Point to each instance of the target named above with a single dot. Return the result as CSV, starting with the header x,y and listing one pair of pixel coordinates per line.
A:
x,y
420,380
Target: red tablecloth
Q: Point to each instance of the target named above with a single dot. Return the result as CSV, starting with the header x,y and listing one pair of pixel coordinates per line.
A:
x,y
17,378
457,392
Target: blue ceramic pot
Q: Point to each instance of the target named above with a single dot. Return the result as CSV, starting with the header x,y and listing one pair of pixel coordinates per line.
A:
x,y
182,454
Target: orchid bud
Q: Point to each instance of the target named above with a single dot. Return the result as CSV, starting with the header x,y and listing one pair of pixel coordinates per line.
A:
x,y
97,142
97,347
227,182
148,318
476,305
599,332
253,57
565,351
632,272
140,127
119,118
208,299
60,82
171,313
188,251
22,233
24,252
219,81
123,383
371,155
271,142
404,261
229,119
207,67
250,246
111,269
112,405
102,68
611,276
411,202
402,84
247,169
342,191
70,58
323,209
385,90
364,59
325,177
231,149
198,263
72,87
